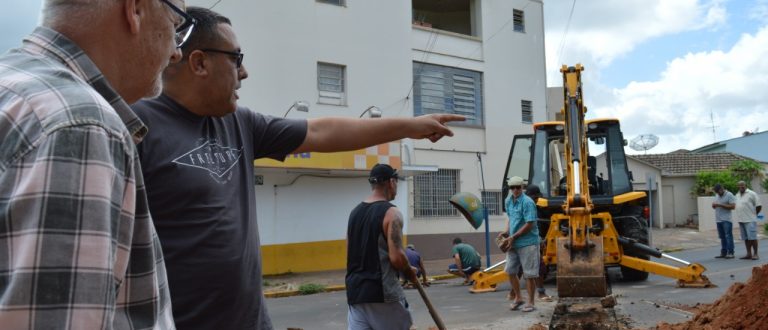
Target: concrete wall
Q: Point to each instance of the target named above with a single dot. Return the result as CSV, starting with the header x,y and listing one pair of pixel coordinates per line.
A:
x,y
707,214
513,69
684,204
640,173
303,219
438,246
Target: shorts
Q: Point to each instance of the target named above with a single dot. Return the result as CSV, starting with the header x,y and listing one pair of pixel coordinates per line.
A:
x,y
393,315
528,257
748,230
467,270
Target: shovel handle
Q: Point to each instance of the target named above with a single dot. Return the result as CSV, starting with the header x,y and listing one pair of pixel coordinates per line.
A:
x,y
432,310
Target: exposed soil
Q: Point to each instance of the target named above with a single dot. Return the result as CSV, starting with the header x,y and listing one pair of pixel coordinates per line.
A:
x,y
743,306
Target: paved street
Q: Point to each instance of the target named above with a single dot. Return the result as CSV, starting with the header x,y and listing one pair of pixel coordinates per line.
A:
x,y
646,303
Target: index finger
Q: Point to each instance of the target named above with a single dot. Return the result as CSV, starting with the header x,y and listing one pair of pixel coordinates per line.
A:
x,y
451,117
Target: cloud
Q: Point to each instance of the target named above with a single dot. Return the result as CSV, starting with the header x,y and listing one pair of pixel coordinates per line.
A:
x,y
601,31
725,89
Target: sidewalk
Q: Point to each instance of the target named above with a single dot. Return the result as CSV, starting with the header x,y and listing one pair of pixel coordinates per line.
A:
x,y
667,240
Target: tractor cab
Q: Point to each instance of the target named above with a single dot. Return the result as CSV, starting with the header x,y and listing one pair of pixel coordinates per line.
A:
x,y
540,158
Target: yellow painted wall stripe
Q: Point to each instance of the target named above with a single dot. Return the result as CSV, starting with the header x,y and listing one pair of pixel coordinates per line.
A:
x,y
305,257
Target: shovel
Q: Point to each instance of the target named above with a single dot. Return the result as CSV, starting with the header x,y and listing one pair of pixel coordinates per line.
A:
x,y
432,310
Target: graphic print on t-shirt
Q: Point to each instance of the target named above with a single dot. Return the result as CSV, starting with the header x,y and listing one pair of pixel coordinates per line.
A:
x,y
214,158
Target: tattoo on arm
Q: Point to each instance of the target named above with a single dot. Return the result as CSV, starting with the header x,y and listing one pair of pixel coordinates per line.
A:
x,y
396,229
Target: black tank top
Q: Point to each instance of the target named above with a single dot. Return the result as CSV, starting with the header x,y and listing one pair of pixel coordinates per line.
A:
x,y
370,277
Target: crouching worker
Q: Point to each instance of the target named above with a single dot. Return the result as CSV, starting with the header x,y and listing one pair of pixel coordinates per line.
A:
x,y
414,259
467,260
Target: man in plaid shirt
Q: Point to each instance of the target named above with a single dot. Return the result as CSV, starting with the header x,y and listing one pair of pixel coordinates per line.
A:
x,y
77,245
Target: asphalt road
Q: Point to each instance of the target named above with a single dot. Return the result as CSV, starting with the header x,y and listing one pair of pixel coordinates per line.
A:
x,y
643,303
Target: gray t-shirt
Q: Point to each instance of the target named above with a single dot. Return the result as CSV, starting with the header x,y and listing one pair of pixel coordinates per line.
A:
x,y
721,213
199,177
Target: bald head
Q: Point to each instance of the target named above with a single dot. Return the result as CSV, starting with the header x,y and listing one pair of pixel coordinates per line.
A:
x,y
130,41
59,13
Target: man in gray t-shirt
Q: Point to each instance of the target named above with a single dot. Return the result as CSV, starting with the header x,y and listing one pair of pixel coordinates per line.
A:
x,y
197,160
723,204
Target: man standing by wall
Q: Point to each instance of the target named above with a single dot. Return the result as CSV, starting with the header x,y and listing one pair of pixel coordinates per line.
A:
x,y
79,250
524,234
723,204
747,207
375,256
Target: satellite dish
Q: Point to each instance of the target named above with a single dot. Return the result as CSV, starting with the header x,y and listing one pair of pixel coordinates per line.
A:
x,y
644,142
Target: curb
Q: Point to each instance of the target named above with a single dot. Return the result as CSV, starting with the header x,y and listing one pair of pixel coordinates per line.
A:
x,y
291,293
340,287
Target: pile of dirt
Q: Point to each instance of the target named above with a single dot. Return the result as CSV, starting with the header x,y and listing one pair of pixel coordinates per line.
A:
x,y
741,307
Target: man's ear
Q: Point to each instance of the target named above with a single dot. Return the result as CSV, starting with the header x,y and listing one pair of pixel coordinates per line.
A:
x,y
198,63
133,13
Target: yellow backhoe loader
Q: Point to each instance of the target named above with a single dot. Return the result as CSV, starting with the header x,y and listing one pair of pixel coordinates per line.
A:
x,y
590,216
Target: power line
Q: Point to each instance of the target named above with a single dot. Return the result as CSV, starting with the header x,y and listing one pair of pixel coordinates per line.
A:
x,y
214,4
565,33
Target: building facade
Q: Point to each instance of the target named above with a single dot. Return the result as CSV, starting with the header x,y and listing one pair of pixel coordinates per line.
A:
x,y
480,58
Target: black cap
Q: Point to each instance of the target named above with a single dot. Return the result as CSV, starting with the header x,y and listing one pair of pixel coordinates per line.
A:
x,y
533,190
717,187
381,173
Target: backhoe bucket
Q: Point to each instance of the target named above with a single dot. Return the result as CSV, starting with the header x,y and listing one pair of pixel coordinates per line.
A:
x,y
580,273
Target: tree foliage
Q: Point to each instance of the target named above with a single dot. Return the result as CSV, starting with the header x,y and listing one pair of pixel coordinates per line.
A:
x,y
746,170
741,170
705,180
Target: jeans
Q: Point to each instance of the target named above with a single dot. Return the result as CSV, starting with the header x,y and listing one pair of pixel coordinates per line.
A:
x,y
725,232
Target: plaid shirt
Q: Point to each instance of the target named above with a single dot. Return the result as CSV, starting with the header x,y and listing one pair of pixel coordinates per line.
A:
x,y
77,245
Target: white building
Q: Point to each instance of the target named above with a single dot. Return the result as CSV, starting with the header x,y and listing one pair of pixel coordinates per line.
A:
x,y
480,58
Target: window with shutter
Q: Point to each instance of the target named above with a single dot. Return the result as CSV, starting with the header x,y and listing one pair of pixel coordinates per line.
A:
x,y
330,84
442,89
333,2
527,111
518,17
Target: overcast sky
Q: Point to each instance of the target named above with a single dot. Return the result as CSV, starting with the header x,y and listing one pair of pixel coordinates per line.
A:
x,y
669,68
672,68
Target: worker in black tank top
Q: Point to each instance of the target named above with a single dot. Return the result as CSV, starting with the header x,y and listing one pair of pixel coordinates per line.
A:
x,y
375,256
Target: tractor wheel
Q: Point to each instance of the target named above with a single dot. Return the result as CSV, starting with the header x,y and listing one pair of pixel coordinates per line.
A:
x,y
634,226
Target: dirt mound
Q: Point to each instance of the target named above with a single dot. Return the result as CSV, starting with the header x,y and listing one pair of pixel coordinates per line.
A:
x,y
741,307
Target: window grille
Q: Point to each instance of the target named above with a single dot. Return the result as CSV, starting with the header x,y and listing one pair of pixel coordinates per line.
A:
x,y
492,202
432,192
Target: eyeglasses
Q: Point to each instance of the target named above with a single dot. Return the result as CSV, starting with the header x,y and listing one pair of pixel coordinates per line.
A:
x,y
184,29
515,187
237,55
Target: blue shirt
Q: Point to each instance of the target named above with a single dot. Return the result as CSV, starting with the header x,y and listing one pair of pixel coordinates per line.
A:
x,y
520,211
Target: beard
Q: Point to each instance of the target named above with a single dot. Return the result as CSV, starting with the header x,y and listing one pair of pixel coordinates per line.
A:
x,y
156,89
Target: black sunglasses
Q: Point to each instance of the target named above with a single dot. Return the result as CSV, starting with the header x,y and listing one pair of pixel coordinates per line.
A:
x,y
515,187
185,28
237,55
